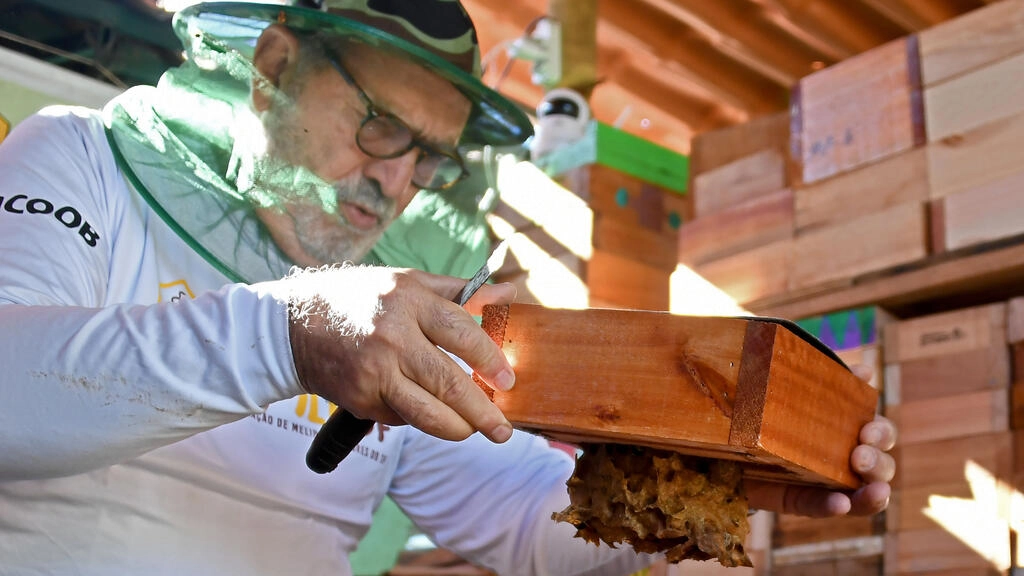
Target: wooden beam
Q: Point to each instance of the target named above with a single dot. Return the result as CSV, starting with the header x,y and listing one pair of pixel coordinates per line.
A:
x,y
734,25
578,20
901,13
732,388
975,277
847,22
673,41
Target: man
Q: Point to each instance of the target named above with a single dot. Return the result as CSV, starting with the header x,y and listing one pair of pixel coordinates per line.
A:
x,y
155,366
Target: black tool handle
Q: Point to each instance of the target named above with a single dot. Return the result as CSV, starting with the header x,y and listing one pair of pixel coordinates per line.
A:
x,y
336,438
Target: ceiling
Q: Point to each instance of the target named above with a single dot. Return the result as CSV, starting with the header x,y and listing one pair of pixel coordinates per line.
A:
x,y
668,69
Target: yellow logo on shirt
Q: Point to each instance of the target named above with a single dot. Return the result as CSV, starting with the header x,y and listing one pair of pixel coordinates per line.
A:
x,y
174,291
313,403
5,126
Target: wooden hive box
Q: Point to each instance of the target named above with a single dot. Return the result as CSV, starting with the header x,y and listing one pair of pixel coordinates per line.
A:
x,y
858,111
743,389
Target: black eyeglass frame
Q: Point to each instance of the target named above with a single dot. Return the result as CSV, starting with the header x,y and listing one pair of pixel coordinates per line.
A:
x,y
374,113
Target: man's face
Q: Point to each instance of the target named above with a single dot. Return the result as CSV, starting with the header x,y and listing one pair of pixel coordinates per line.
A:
x,y
338,204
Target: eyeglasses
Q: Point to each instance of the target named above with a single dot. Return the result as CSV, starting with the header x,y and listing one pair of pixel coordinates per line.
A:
x,y
383,135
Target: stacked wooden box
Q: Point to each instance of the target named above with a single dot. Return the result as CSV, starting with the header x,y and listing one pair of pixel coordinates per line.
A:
x,y
851,545
913,148
972,70
741,238
947,388
634,237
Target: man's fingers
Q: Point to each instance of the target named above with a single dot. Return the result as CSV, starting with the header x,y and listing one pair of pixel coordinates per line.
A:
x,y
504,293
440,377
870,499
872,464
421,409
792,499
452,328
880,433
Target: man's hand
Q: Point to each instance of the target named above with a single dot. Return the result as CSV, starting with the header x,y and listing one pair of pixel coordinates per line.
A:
x,y
870,459
366,338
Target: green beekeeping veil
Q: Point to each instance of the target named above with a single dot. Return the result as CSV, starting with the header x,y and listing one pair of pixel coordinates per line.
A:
x,y
186,145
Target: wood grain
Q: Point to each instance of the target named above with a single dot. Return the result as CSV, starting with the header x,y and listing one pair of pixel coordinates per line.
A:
x,y
917,464
752,274
719,387
873,188
972,41
948,375
951,416
980,215
740,181
792,530
896,236
947,333
977,98
716,148
644,245
976,157
622,282
935,550
737,228
858,111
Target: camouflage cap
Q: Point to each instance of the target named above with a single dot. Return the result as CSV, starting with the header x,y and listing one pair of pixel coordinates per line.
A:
x,y
437,34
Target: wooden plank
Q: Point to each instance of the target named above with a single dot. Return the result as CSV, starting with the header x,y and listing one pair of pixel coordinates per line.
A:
x,y
893,181
792,530
1015,327
936,550
922,507
977,98
858,547
972,41
625,283
754,274
948,375
946,333
731,230
738,182
870,243
979,215
716,148
917,464
723,387
986,274
617,195
865,566
951,416
977,157
634,242
858,111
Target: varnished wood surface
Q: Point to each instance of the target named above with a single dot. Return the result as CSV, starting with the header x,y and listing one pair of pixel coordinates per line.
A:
x,y
718,387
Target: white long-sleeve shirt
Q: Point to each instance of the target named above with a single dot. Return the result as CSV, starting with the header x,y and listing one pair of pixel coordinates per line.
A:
x,y
152,421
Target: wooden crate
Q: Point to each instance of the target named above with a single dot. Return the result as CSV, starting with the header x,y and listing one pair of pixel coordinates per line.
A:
x,y
743,226
857,556
632,201
743,180
972,41
615,281
951,416
753,274
949,354
743,389
977,157
716,148
919,465
980,215
898,235
946,333
793,530
859,111
643,245
979,97
937,551
901,179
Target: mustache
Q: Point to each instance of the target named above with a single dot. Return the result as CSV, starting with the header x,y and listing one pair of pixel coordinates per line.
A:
x,y
365,193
